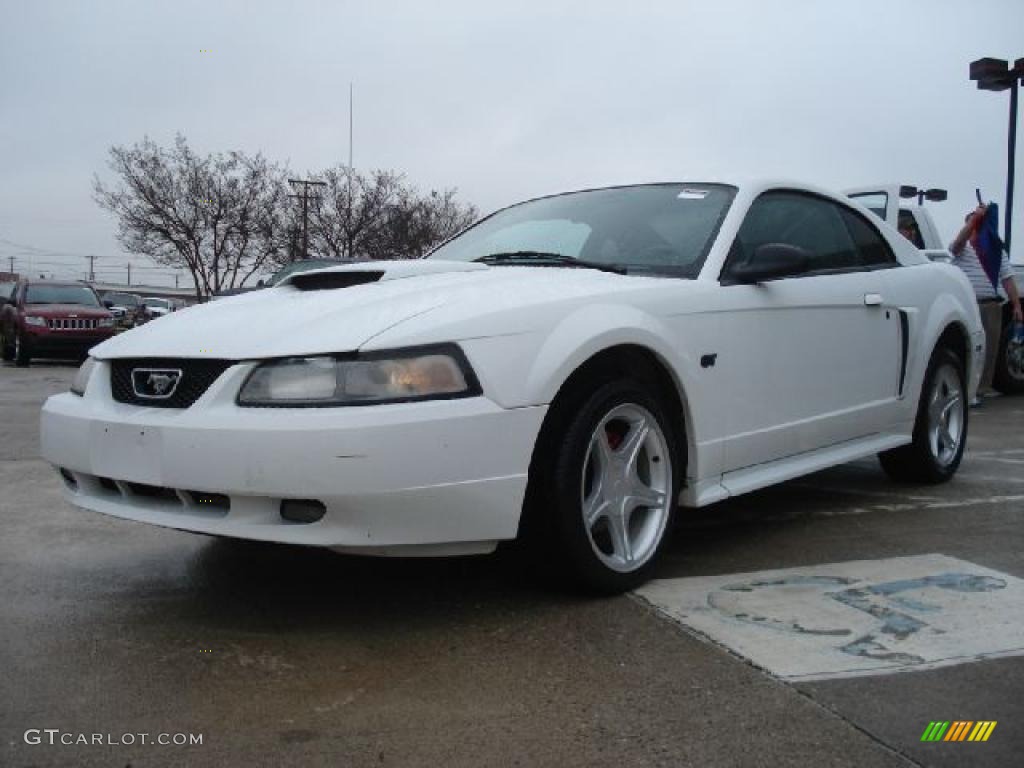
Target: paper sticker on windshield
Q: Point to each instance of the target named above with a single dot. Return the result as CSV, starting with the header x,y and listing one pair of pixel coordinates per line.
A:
x,y
692,194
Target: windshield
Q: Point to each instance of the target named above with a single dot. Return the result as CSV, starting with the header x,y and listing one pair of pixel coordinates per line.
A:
x,y
122,299
656,228
60,294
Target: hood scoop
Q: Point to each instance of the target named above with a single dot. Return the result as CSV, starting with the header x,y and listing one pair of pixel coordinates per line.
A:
x,y
346,276
323,281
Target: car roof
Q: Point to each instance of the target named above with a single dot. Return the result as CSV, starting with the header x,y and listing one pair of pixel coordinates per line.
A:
x,y
61,283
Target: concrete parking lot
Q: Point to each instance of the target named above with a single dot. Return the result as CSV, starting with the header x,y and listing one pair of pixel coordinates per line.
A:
x,y
290,656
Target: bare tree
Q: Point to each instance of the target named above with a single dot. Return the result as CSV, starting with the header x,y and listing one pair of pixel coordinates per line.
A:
x,y
222,217
352,209
420,222
379,216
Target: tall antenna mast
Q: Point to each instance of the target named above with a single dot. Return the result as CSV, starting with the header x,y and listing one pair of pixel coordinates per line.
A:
x,y
351,121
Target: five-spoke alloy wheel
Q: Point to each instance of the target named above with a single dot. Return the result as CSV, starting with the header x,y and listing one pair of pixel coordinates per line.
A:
x,y
604,482
625,489
940,430
946,414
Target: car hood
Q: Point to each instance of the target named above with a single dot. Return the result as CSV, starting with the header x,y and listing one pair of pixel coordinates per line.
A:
x,y
287,320
65,310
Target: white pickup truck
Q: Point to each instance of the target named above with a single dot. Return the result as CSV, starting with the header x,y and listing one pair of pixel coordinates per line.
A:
x,y
896,204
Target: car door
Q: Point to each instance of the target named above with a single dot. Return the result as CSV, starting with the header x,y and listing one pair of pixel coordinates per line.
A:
x,y
810,360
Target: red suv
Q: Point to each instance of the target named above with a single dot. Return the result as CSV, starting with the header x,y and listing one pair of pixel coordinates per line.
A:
x,y
46,318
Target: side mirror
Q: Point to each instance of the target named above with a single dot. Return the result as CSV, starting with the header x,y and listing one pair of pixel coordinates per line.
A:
x,y
771,261
108,303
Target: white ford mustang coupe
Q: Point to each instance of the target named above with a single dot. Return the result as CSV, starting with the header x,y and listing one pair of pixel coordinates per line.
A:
x,y
569,370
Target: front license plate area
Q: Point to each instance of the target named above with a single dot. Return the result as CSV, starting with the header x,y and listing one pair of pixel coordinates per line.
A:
x,y
127,452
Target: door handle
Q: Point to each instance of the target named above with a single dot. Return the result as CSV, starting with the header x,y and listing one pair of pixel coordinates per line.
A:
x,y
872,299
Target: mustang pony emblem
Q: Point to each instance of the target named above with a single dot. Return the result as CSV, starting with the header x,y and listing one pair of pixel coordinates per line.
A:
x,y
155,383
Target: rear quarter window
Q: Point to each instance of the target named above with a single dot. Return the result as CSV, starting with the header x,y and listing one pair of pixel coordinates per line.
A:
x,y
873,249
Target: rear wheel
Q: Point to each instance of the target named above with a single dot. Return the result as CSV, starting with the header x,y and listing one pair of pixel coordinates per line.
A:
x,y
940,430
603,491
1009,373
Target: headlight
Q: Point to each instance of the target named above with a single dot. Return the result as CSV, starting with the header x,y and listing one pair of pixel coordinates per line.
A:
x,y
105,322
422,373
35,320
81,380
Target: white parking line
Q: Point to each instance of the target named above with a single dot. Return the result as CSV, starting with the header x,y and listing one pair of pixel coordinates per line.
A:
x,y
854,618
989,478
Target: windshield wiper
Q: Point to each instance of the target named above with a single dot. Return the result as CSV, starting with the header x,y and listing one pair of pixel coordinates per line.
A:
x,y
545,259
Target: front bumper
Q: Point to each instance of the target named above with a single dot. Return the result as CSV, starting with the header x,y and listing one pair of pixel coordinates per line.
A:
x,y
43,341
435,473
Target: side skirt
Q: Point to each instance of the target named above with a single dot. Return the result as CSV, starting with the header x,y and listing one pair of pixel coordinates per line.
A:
x,y
773,472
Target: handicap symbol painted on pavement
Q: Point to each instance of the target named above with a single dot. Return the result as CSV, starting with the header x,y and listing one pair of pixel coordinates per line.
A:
x,y
852,618
876,600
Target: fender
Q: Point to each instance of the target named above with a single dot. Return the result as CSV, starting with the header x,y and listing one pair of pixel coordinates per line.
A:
x,y
597,327
951,307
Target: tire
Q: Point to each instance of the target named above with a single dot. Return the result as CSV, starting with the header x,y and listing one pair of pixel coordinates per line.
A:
x,y
6,349
604,450
1009,374
22,353
940,429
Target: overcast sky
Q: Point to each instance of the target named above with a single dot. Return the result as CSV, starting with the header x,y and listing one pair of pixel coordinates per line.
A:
x,y
504,101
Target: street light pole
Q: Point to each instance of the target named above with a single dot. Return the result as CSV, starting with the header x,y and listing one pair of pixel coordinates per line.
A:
x,y
1011,154
998,75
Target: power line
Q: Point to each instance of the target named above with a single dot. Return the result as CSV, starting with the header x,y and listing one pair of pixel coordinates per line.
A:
x,y
30,263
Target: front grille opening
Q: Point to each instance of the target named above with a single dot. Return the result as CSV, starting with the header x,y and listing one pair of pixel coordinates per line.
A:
x,y
71,324
108,485
210,500
197,375
69,479
153,492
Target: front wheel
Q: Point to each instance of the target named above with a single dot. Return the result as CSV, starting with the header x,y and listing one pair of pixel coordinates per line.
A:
x,y
940,430
6,348
22,354
607,488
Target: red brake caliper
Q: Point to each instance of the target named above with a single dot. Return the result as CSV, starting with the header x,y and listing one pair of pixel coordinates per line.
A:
x,y
615,433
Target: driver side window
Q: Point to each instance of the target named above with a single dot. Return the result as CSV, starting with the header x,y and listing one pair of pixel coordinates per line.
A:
x,y
802,220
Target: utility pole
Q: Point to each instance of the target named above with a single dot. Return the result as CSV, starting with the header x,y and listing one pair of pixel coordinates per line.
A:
x,y
11,270
176,276
304,197
92,268
129,273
